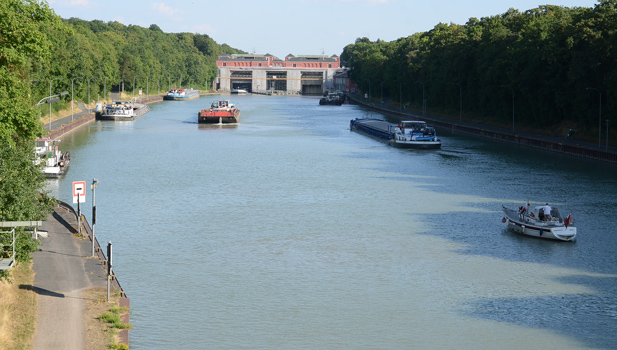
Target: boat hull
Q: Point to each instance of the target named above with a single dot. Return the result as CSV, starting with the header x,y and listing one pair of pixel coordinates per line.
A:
x,y
416,144
180,98
218,117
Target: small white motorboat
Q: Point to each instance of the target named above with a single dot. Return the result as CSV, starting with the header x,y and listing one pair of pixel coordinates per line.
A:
x,y
54,162
543,221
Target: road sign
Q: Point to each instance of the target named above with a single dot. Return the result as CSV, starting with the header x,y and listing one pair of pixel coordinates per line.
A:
x,y
140,92
79,191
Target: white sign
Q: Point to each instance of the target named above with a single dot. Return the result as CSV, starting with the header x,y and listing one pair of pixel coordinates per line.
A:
x,y
140,92
79,191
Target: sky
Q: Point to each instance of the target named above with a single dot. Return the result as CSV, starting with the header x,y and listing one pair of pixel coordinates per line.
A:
x,y
299,27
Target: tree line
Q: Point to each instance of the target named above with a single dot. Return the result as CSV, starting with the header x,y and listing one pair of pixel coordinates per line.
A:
x,y
115,56
36,46
546,67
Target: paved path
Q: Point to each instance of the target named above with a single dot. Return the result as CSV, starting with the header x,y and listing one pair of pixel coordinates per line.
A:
x,y
63,268
56,124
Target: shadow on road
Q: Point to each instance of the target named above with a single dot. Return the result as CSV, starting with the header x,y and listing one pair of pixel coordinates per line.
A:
x,y
41,291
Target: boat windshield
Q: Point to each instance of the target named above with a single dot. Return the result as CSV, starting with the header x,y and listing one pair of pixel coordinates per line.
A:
x,y
539,212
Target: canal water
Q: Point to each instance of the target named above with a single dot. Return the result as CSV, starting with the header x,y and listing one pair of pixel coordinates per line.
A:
x,y
288,231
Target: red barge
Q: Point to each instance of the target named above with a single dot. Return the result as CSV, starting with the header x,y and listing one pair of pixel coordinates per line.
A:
x,y
220,112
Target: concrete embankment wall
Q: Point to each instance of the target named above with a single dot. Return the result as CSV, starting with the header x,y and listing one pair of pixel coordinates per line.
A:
x,y
560,145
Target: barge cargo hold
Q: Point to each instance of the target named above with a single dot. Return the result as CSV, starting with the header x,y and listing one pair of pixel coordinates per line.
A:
x,y
122,111
407,134
181,95
220,112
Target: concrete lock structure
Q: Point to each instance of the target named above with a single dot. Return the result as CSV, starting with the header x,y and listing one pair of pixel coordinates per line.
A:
x,y
303,74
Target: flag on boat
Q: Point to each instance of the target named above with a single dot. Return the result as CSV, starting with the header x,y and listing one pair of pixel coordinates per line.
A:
x,y
568,220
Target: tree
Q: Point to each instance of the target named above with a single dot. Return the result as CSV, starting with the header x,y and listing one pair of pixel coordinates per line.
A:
x,y
21,182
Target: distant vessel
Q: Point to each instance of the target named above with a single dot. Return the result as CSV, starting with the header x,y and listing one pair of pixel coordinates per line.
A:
x,y
335,98
239,91
55,163
222,112
181,94
408,134
122,110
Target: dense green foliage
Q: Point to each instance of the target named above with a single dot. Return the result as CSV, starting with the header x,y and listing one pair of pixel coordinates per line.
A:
x,y
546,57
105,54
21,182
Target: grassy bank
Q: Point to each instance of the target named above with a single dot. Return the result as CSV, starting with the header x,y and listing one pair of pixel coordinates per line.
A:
x,y
18,309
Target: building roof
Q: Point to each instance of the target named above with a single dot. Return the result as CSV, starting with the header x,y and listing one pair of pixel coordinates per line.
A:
x,y
264,58
243,57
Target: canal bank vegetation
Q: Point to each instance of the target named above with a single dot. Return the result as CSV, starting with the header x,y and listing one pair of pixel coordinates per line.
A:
x,y
91,57
18,309
544,68
22,184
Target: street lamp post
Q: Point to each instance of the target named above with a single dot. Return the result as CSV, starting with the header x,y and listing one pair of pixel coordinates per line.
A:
x,y
134,87
512,106
72,99
89,91
180,82
600,117
607,133
105,90
400,96
460,118
50,103
423,99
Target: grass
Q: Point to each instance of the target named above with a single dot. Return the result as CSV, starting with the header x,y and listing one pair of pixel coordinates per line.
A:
x,y
18,309
103,320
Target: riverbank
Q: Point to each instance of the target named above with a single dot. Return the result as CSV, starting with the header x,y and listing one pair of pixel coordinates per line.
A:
x,y
560,145
69,123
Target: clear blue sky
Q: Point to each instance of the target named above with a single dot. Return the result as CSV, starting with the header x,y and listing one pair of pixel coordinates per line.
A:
x,y
301,27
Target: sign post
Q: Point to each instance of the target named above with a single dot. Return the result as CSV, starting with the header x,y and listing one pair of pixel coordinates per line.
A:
x,y
79,196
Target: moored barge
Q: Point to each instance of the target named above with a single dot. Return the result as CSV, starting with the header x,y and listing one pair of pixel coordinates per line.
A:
x,y
220,112
122,111
181,94
407,134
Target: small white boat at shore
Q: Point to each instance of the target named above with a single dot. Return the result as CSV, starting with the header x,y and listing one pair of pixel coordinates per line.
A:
x,y
55,163
543,221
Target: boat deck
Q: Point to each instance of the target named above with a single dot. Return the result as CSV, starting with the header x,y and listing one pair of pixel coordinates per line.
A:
x,y
140,110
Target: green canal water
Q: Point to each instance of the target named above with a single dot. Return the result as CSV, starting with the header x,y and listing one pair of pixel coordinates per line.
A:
x,y
288,231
